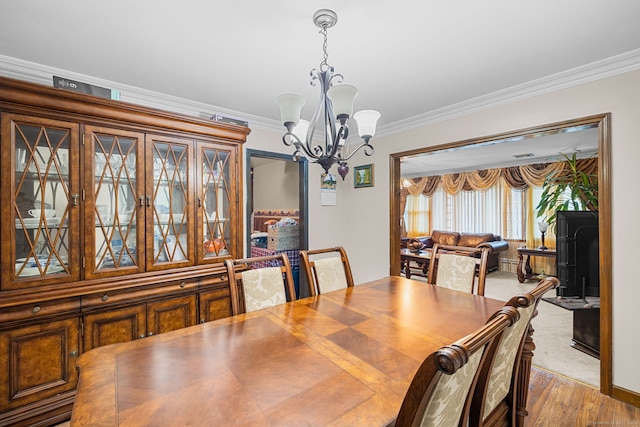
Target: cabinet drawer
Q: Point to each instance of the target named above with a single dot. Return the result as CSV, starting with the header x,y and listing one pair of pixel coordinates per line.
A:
x,y
214,279
39,309
214,304
93,301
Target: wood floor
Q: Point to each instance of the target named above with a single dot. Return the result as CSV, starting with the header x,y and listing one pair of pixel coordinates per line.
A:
x,y
557,401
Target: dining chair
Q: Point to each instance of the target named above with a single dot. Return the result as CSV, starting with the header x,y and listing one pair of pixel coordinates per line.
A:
x,y
496,400
455,267
326,274
265,281
440,393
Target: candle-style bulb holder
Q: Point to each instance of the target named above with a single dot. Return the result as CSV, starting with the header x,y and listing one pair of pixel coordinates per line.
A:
x,y
542,226
542,247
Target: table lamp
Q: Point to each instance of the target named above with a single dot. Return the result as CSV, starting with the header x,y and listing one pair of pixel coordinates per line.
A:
x,y
542,226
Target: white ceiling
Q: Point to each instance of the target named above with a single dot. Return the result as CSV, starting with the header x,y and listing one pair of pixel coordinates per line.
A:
x,y
409,58
530,149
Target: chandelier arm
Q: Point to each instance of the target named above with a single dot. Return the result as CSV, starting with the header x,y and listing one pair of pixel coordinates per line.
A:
x,y
331,137
290,139
325,108
368,151
316,76
341,134
307,151
334,134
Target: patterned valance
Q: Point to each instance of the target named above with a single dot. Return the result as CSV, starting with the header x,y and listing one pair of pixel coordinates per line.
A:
x,y
517,177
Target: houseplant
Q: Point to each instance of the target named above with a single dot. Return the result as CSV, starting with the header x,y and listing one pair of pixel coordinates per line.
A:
x,y
568,189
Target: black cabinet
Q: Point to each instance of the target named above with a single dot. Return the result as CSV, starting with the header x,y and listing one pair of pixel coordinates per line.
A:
x,y
586,322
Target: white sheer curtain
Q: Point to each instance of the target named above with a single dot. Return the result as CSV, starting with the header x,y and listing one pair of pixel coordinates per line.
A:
x,y
468,211
417,215
499,210
477,211
440,204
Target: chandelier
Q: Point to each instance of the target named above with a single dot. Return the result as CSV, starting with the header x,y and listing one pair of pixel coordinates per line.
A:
x,y
332,114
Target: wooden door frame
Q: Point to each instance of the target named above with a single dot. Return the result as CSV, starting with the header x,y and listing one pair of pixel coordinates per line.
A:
x,y
603,122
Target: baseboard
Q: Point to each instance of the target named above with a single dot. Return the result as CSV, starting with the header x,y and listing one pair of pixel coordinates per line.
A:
x,y
626,396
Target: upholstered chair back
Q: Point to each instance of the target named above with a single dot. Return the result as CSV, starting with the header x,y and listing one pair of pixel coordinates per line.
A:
x,y
455,267
330,274
326,269
456,272
495,398
263,288
264,282
446,405
440,392
504,361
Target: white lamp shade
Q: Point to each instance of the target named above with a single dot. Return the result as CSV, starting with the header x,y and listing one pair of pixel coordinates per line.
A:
x,y
342,98
542,226
367,120
290,107
300,130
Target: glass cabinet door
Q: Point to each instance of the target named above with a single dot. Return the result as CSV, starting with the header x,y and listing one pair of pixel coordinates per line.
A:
x,y
169,203
40,224
115,208
215,204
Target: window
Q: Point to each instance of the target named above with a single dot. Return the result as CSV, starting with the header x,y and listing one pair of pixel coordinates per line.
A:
x,y
499,210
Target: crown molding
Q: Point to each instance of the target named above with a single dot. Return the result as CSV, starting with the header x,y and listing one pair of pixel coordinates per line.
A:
x,y
619,64
42,74
609,67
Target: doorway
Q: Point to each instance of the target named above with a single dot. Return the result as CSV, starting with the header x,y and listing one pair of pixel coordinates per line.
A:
x,y
271,184
602,122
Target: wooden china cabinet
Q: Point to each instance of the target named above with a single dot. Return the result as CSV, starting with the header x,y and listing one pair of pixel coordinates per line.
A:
x,y
115,222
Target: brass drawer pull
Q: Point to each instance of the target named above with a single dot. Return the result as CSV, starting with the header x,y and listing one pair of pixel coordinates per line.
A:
x,y
36,309
183,284
105,297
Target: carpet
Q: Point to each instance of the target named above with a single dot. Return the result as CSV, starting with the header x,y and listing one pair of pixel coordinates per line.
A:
x,y
553,331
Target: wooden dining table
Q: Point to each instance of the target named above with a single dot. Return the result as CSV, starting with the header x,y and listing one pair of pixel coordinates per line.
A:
x,y
344,358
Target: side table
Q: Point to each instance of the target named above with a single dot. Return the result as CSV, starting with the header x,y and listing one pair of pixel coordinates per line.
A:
x,y
420,258
530,252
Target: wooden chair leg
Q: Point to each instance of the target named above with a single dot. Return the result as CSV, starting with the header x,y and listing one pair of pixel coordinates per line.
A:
x,y
523,378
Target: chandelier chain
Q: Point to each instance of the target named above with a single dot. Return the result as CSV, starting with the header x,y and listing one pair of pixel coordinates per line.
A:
x,y
324,65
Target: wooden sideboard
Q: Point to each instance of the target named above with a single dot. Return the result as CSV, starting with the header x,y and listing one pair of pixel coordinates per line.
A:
x,y
116,220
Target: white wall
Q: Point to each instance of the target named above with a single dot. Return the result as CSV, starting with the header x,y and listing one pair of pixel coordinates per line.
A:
x,y
327,223
360,221
275,185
